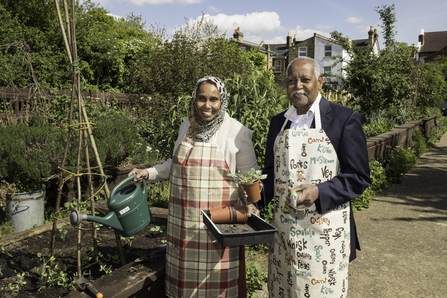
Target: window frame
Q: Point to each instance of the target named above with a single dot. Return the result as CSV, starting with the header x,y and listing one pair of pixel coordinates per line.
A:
x,y
327,52
277,64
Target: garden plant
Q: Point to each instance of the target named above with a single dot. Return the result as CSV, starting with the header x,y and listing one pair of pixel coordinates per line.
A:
x,y
126,56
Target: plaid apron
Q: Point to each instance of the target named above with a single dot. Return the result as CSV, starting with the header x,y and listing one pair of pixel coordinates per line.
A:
x,y
196,264
310,254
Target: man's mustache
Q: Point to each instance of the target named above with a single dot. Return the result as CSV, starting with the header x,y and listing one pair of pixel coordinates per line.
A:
x,y
298,93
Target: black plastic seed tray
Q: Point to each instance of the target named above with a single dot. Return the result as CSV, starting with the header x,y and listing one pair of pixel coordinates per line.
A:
x,y
255,231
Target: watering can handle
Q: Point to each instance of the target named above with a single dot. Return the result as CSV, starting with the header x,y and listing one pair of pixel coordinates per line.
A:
x,y
126,180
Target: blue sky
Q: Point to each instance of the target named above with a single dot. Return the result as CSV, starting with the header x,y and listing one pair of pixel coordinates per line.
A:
x,y
270,21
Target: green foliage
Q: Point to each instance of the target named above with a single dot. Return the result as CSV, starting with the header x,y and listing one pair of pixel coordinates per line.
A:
x,y
174,67
251,177
246,98
419,144
158,194
51,277
15,287
397,162
389,18
158,120
5,226
256,279
391,80
378,182
377,123
105,45
30,154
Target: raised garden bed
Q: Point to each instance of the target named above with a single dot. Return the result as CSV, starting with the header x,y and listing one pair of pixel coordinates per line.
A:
x,y
21,256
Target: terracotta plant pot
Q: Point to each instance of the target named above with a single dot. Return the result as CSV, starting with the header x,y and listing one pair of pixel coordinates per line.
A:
x,y
229,214
252,191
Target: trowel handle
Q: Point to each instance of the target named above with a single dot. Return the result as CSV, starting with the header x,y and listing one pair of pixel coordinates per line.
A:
x,y
94,291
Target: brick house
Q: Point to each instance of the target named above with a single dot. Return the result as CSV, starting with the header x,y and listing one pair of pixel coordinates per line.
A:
x,y
430,45
320,48
244,45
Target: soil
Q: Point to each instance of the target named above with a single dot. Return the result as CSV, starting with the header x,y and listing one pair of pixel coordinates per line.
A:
x,y
22,257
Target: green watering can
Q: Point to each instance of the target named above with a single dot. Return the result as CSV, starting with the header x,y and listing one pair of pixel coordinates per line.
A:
x,y
128,208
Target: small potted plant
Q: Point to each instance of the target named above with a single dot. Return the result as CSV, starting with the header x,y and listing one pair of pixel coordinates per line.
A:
x,y
250,182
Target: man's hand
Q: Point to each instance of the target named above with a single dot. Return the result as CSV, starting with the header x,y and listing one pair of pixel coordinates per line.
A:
x,y
309,194
141,174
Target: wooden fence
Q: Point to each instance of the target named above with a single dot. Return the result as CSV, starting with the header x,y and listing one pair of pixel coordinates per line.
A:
x,y
18,104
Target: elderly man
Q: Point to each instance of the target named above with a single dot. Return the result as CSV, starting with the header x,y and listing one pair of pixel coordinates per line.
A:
x,y
316,150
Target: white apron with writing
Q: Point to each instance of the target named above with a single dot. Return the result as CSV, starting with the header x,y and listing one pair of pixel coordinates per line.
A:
x,y
310,254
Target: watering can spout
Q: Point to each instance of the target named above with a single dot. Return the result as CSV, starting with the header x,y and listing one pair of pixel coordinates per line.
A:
x,y
129,212
111,220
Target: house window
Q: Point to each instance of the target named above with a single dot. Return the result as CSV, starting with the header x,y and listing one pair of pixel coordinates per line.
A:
x,y
243,49
327,51
277,65
302,51
327,69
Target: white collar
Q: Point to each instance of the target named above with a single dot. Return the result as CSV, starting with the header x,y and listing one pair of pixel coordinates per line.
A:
x,y
295,118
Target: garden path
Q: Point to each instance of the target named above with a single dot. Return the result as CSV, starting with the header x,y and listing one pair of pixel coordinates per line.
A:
x,y
403,235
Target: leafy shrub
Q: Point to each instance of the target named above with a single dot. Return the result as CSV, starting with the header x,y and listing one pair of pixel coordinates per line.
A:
x,y
254,102
378,182
31,154
158,194
419,144
398,161
255,278
118,141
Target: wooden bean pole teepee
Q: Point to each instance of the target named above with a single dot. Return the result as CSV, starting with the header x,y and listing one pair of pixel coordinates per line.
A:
x,y
85,134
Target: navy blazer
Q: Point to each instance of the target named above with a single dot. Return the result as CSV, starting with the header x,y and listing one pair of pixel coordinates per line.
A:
x,y
344,128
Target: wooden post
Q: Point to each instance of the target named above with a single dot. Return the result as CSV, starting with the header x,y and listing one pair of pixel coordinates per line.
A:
x,y
72,56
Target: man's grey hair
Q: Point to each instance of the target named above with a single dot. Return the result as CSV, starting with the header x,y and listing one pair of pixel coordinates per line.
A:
x,y
316,66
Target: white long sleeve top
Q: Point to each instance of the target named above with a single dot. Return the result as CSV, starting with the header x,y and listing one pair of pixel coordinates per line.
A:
x,y
232,138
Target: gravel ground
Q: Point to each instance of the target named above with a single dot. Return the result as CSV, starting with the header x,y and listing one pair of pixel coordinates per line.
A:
x,y
403,235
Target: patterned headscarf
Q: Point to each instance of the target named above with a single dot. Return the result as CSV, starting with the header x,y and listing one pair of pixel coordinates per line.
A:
x,y
199,130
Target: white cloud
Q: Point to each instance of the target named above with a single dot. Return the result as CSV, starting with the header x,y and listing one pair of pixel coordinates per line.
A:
x,y
353,20
102,3
160,2
276,40
115,16
306,33
301,34
213,9
249,24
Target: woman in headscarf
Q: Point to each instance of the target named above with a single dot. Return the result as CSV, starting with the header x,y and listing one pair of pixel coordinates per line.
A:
x,y
210,145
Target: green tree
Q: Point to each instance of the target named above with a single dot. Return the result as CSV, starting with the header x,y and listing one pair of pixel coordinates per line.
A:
x,y
105,45
388,81
388,18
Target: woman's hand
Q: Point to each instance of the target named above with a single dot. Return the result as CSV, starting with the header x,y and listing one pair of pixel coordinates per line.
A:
x,y
243,194
251,208
141,174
